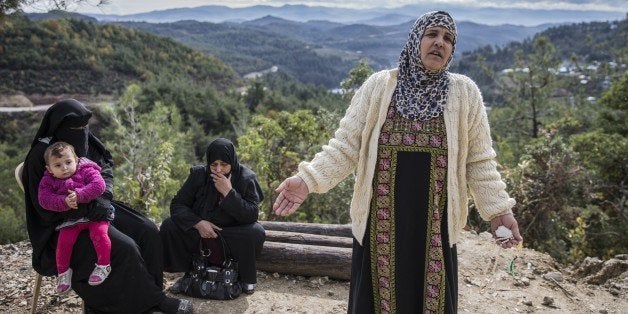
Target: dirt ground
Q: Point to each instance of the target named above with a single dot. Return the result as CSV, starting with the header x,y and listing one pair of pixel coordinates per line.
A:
x,y
536,284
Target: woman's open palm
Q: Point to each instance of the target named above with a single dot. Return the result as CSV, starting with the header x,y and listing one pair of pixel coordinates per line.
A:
x,y
292,193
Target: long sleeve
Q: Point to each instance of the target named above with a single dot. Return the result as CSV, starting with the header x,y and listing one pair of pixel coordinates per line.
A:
x,y
244,206
181,206
485,183
92,183
340,156
47,196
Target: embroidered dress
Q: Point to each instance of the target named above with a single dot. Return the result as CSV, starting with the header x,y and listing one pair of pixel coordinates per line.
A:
x,y
406,264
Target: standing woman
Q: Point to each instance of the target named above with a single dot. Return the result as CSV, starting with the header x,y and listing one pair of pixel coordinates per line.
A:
x,y
417,138
136,285
221,196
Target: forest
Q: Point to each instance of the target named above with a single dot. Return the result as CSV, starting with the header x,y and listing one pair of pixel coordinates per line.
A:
x,y
557,112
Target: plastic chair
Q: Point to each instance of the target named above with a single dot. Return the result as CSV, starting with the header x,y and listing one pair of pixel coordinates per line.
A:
x,y
37,288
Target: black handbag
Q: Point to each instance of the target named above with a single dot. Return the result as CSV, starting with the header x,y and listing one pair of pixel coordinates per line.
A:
x,y
211,281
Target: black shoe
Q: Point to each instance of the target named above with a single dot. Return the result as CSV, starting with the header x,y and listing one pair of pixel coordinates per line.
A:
x,y
172,305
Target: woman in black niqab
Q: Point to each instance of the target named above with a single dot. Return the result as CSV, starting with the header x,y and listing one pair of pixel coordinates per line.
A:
x,y
136,281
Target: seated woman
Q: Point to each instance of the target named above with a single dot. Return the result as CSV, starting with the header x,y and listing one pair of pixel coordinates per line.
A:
x,y
136,285
222,195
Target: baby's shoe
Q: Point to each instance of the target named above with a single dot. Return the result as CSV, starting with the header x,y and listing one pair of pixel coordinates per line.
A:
x,y
99,274
64,281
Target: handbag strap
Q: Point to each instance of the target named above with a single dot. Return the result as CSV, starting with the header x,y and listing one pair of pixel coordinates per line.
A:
x,y
226,250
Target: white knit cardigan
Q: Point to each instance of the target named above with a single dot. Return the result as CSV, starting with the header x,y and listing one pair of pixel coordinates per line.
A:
x,y
470,153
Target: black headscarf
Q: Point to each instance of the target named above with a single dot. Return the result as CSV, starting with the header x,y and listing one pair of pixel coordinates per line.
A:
x,y
66,121
198,198
223,149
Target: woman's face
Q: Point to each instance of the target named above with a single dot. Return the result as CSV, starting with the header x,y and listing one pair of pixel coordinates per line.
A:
x,y
62,166
219,166
436,47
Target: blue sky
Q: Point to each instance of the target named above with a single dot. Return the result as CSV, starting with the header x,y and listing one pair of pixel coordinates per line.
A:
x,y
137,6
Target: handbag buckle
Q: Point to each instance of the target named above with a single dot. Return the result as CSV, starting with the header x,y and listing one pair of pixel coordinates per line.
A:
x,y
206,252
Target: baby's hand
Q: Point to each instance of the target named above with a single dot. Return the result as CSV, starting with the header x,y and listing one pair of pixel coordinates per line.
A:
x,y
71,199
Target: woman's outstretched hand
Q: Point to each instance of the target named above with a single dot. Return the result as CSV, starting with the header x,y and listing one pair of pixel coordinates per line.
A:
x,y
292,193
508,221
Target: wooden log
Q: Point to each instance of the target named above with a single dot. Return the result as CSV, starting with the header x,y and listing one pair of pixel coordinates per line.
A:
x,y
308,239
305,260
311,228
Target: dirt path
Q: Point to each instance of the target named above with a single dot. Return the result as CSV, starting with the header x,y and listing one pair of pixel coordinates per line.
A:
x,y
485,286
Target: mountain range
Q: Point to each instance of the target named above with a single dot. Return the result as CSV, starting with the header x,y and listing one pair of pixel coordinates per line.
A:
x,y
374,16
317,52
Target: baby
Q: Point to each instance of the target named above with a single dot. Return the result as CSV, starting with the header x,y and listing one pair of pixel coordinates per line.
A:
x,y
67,182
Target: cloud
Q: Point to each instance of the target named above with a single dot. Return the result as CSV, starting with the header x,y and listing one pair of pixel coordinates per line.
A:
x,y
137,6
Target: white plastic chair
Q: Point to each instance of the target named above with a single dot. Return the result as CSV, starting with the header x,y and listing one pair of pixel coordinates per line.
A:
x,y
37,288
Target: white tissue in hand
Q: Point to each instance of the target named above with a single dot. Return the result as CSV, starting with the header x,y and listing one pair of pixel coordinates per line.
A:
x,y
503,232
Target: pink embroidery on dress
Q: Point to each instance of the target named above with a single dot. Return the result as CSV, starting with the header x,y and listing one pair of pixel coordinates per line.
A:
x,y
438,186
383,237
435,140
383,260
436,240
383,138
385,306
416,125
433,291
435,266
384,164
383,213
383,189
408,139
441,161
384,282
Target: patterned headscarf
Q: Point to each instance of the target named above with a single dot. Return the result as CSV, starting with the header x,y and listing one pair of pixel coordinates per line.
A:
x,y
421,94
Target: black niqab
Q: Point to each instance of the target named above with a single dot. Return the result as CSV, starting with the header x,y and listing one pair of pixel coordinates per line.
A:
x,y
66,121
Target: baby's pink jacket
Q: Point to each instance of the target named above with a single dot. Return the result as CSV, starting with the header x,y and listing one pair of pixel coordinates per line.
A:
x,y
86,181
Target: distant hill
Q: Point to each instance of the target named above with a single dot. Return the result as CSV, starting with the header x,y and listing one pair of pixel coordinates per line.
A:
x,y
316,52
378,16
65,56
62,56
251,49
580,46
